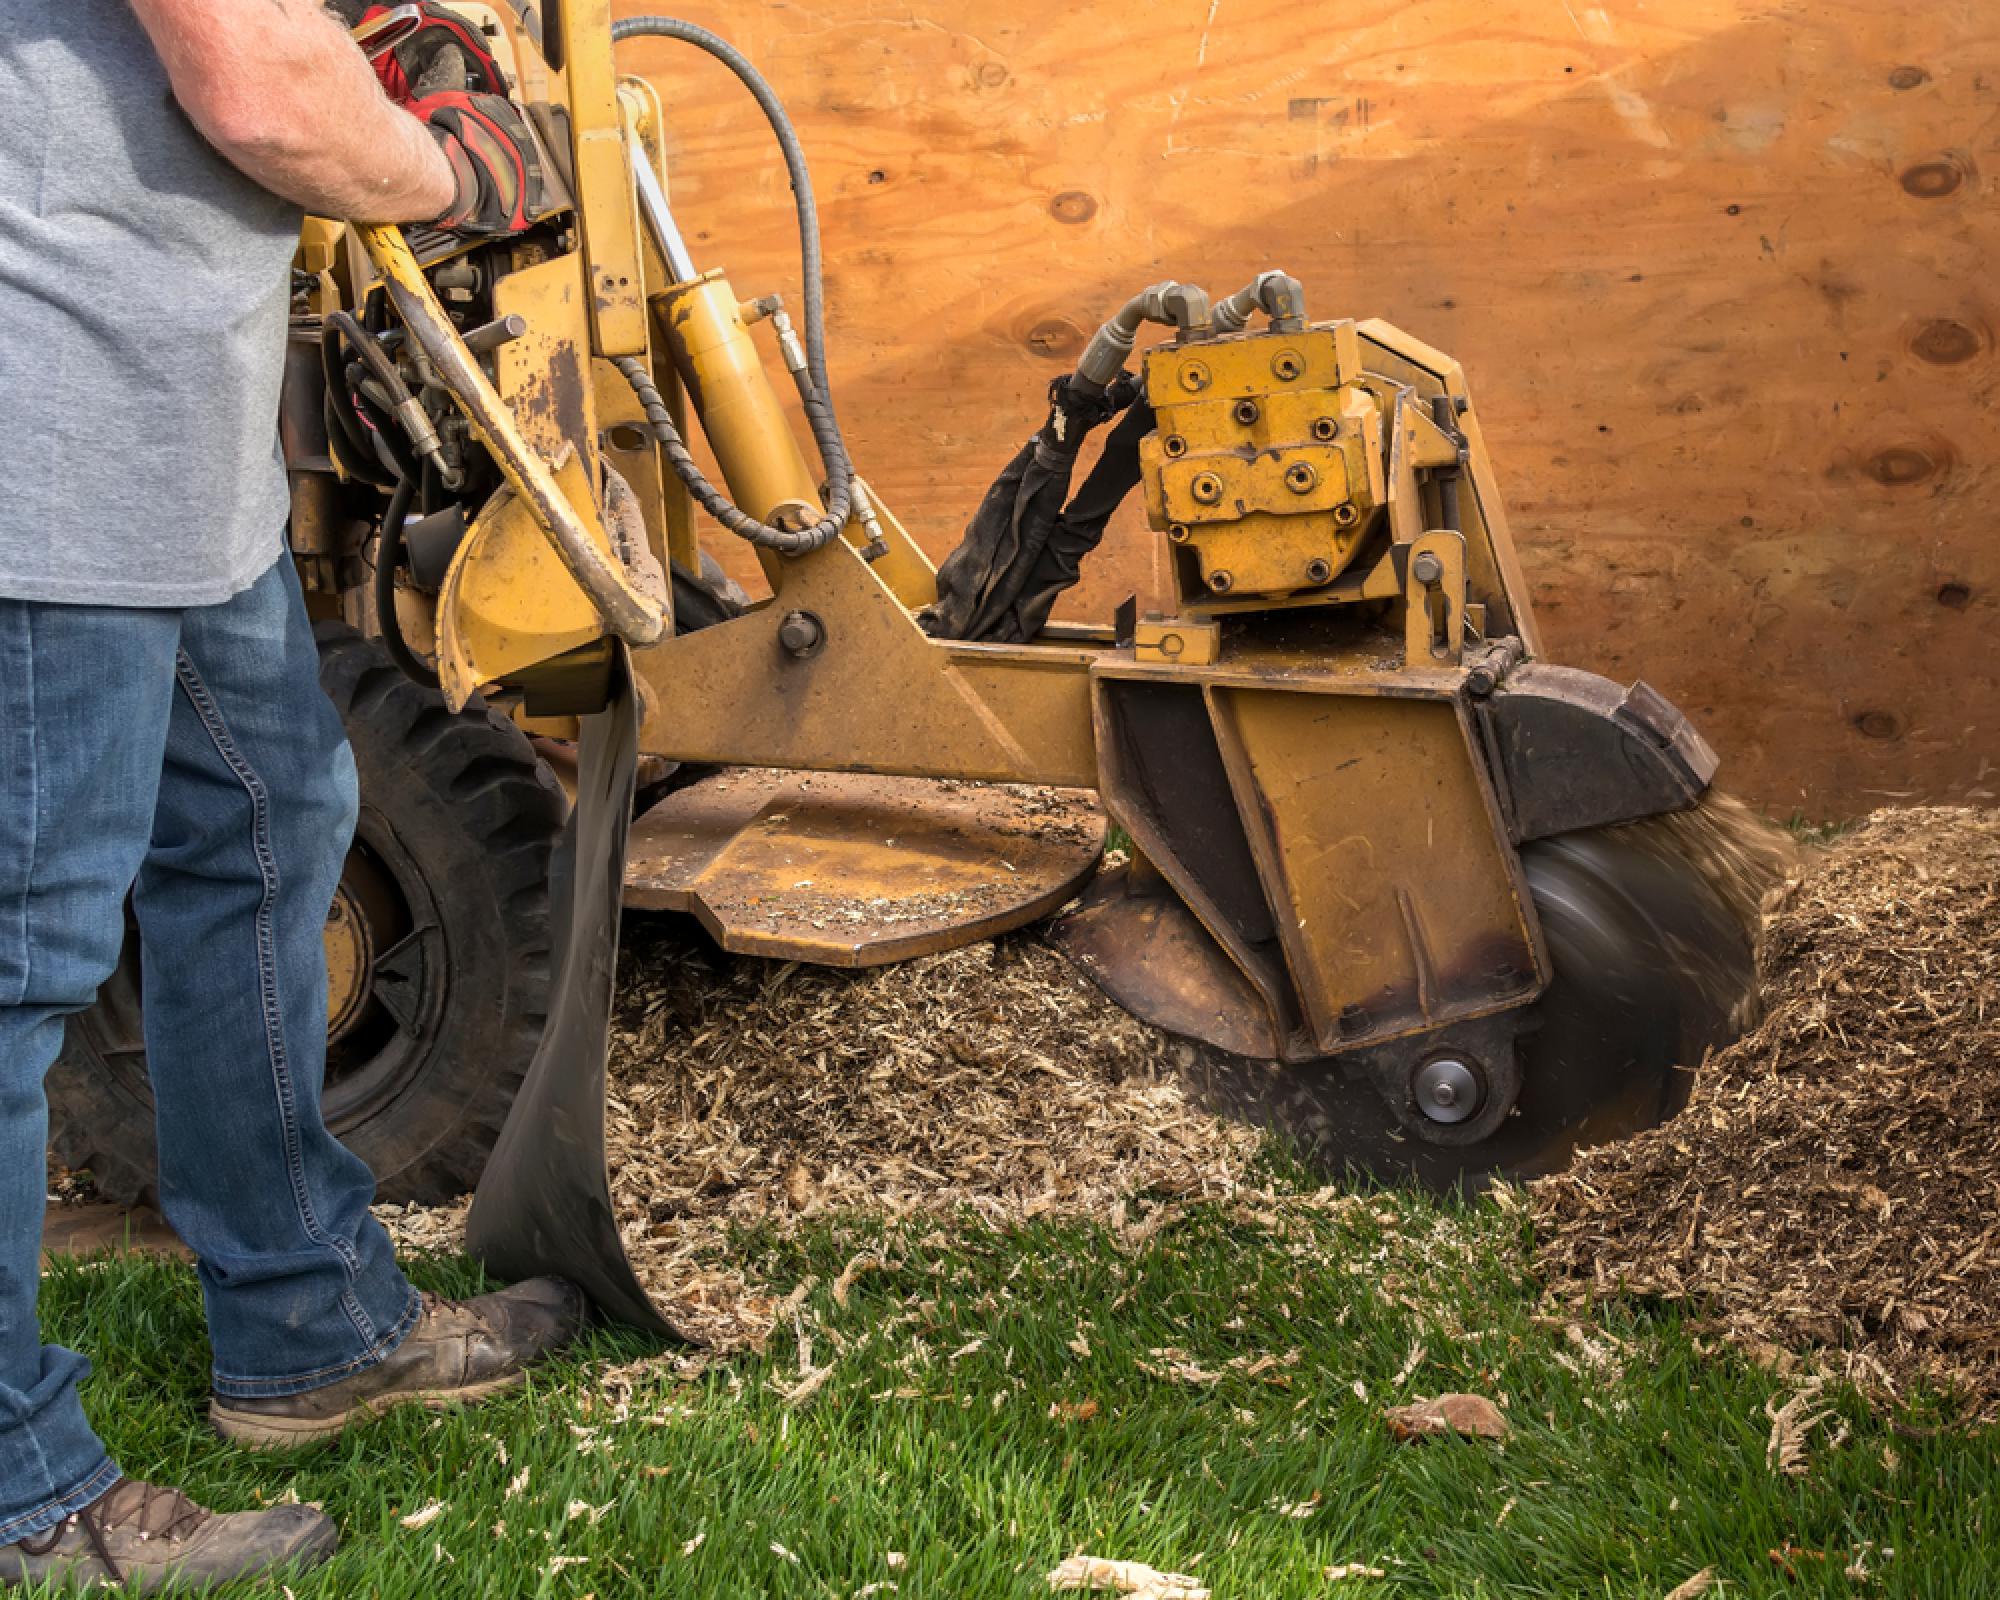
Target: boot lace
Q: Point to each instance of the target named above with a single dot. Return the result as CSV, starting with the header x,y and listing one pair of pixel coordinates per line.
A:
x,y
149,1509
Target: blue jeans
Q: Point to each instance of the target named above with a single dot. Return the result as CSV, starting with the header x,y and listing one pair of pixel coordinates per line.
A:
x,y
188,759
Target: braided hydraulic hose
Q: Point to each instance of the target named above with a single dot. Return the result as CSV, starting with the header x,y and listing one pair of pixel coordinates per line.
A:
x,y
814,391
786,541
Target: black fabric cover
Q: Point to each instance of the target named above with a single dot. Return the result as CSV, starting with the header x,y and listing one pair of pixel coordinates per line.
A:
x,y
1023,546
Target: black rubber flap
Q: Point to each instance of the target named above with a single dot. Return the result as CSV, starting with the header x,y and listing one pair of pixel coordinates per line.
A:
x,y
544,1203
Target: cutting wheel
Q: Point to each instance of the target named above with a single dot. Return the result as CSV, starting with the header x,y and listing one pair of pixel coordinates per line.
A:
x,y
1651,971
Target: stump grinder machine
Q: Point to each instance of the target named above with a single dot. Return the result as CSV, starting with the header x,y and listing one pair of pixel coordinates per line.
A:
x,y
1378,861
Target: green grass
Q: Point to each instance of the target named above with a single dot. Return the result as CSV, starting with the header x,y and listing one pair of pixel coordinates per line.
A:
x,y
933,1436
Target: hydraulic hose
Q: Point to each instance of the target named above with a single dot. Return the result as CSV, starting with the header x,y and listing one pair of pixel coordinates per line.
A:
x,y
786,541
815,392
388,553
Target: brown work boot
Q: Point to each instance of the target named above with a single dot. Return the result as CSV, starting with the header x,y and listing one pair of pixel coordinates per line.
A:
x,y
160,1541
460,1351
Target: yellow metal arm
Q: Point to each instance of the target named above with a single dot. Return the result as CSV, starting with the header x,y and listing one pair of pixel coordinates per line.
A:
x,y
637,618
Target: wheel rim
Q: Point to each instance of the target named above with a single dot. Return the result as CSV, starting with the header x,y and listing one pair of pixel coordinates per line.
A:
x,y
386,985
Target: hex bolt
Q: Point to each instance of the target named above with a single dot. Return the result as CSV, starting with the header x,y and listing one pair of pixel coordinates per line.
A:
x,y
1174,445
1317,571
1206,488
1220,580
1427,569
1246,412
1325,428
801,634
1300,478
1194,376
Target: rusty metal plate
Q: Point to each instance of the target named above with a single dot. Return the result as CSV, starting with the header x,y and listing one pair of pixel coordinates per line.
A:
x,y
1137,941
848,870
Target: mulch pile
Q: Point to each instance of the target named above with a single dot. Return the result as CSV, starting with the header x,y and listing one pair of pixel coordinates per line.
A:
x,y
990,1082
1834,1183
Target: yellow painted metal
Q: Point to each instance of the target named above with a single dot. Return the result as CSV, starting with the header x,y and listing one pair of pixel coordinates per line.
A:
x,y
703,328
1493,570
607,204
672,510
508,605
1434,613
571,525
903,567
1266,466
848,870
878,695
1180,641
1376,838
541,374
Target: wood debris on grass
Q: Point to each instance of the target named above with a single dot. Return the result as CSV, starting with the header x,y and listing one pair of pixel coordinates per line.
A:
x,y
1133,1579
1470,1414
1831,1184
992,1082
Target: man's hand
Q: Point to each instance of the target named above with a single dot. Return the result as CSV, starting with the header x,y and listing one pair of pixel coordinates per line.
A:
x,y
493,157
445,54
279,89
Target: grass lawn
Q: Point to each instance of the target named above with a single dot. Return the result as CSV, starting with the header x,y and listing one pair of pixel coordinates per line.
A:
x,y
988,1411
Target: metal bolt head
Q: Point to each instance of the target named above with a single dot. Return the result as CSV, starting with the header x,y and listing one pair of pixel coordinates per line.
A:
x,y
1346,514
1178,532
1317,571
1206,488
1246,412
1446,1089
1325,428
1174,445
1426,568
1287,365
1300,477
1195,376
801,633
1219,580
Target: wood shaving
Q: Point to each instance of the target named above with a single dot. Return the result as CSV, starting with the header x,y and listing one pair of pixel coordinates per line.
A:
x,y
991,1082
1831,1186
1131,1578
1470,1414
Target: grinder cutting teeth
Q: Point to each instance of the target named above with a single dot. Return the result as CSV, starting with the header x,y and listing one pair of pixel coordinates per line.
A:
x,y
1385,859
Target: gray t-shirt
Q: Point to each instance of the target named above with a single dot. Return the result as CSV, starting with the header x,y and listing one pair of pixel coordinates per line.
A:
x,y
144,286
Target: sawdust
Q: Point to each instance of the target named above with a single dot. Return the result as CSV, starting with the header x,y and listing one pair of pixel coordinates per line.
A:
x,y
1832,1185
990,1083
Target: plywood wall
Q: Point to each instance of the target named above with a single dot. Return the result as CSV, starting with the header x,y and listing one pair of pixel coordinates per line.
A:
x,y
1721,271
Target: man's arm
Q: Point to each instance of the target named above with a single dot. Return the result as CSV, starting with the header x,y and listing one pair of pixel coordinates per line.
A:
x,y
280,89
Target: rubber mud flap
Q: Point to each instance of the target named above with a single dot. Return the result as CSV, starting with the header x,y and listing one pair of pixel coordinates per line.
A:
x,y
544,1203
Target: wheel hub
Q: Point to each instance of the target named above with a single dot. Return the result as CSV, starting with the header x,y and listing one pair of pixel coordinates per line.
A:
x,y
350,955
1447,1089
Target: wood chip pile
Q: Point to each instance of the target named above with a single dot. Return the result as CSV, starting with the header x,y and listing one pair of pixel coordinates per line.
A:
x,y
1835,1181
991,1081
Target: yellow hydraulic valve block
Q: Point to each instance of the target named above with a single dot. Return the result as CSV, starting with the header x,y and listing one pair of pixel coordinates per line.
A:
x,y
1266,464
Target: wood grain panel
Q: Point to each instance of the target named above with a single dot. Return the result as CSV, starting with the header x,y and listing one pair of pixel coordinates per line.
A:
x,y
1720,272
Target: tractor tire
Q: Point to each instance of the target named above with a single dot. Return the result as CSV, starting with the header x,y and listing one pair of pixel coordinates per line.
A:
x,y
439,951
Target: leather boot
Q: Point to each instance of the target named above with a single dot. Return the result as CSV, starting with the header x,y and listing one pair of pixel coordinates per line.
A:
x,y
160,1542
460,1351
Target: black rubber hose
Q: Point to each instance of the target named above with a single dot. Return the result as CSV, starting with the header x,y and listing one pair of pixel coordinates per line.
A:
x,y
388,554
786,541
815,392
359,455
795,167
